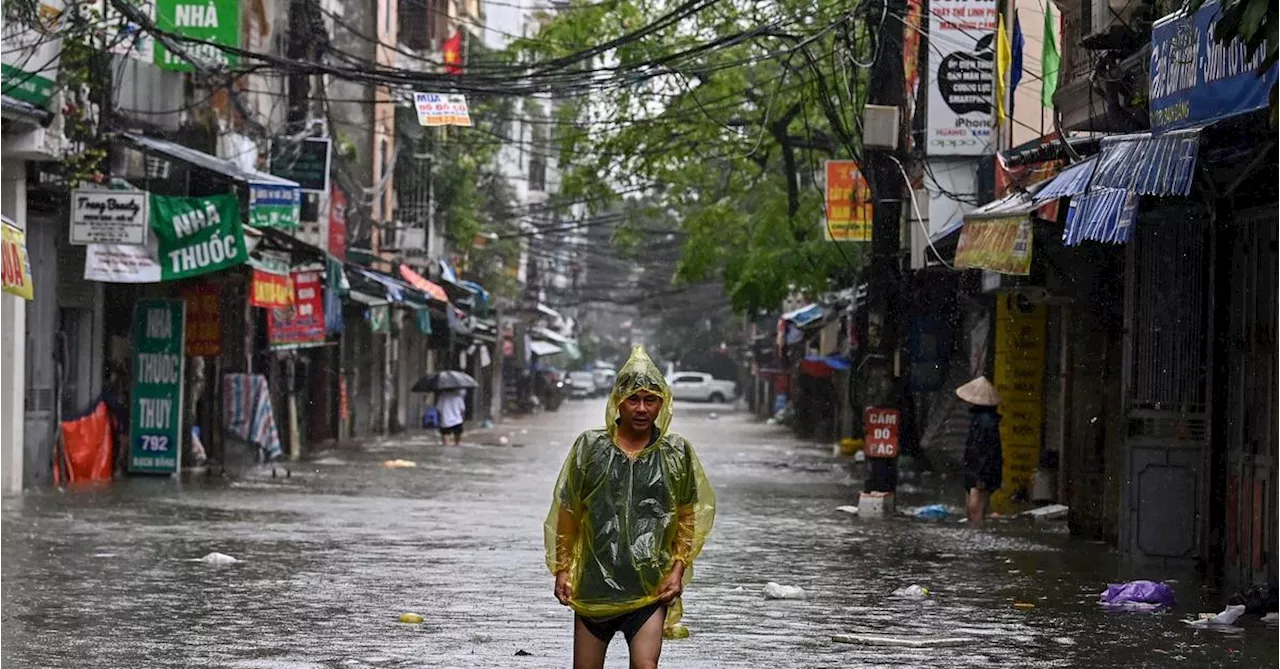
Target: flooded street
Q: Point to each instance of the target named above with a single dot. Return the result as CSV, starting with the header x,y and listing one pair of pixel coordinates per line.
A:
x,y
333,555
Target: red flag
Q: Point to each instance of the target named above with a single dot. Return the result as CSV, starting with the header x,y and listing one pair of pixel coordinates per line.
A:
x,y
452,52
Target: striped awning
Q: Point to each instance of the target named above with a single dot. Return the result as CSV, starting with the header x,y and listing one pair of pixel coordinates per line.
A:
x,y
1147,164
1101,215
1073,181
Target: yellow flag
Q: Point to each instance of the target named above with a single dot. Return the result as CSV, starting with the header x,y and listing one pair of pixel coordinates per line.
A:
x,y
1004,55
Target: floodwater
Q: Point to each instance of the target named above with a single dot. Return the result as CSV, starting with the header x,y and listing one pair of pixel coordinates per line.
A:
x,y
331,557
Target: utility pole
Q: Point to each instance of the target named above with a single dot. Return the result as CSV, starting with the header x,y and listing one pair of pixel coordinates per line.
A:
x,y
881,364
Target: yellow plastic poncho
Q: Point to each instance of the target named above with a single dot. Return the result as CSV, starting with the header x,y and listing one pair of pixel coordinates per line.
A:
x,y
617,524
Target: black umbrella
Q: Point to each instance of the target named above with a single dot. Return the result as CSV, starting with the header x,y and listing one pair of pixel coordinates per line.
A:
x,y
447,380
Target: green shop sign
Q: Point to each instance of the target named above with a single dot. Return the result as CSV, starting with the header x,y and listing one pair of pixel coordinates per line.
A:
x,y
216,22
274,206
30,53
155,405
197,235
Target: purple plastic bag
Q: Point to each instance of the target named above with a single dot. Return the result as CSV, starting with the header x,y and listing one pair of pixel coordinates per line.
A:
x,y
1138,595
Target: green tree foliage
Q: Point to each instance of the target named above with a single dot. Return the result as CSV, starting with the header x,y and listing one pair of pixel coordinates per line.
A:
x,y
723,120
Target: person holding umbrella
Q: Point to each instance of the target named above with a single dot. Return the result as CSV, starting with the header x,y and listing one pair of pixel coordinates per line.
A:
x,y
451,403
983,454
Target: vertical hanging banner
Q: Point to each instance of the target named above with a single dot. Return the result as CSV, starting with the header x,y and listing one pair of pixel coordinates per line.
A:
x,y
274,206
337,241
1019,372
848,207
197,235
204,319
961,83
437,109
30,54
911,65
214,21
155,399
302,325
16,265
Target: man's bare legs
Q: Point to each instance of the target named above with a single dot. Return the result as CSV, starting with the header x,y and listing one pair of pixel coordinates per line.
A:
x,y
645,648
588,651
975,506
646,645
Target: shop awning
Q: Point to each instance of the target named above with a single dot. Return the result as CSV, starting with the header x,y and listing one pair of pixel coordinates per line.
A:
x,y
806,315
367,299
1162,165
394,292
548,311
1019,203
1101,215
434,291
543,348
1073,181
14,109
551,335
195,158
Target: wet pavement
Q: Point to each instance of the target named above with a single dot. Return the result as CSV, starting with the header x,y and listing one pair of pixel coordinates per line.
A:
x,y
333,555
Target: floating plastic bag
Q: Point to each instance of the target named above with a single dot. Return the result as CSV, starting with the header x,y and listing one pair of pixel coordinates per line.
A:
x,y
931,512
777,591
1227,618
912,592
217,559
89,444
1138,596
617,524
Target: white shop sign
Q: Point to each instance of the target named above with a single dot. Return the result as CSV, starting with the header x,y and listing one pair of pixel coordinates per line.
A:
x,y
108,217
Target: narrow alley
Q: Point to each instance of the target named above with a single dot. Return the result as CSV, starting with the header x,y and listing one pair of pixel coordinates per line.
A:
x,y
332,556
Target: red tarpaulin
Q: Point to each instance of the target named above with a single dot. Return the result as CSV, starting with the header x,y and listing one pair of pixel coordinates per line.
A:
x,y
88,442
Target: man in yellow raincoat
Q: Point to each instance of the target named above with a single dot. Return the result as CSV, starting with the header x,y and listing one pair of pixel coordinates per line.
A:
x,y
631,511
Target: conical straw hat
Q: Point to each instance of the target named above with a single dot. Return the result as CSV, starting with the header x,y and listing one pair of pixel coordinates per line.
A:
x,y
980,392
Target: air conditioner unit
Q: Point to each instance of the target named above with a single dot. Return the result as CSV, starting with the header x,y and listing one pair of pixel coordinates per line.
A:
x,y
1115,24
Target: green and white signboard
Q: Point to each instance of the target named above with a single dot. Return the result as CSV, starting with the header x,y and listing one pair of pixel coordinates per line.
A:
x,y
197,235
155,406
30,53
274,206
214,21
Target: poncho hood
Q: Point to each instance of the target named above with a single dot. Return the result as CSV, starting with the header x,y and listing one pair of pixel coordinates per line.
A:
x,y
638,373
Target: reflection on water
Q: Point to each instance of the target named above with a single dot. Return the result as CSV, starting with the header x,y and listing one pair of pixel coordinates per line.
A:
x,y
332,556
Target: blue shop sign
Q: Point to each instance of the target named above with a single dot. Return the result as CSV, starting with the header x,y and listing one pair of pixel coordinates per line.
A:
x,y
1195,81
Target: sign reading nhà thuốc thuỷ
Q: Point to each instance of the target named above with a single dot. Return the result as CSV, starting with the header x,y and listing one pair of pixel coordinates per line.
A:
x,y
155,405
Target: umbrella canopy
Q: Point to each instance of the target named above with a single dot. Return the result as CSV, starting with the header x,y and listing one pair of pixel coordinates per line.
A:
x,y
447,380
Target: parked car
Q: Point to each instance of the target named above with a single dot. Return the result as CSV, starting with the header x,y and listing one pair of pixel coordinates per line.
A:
x,y
581,385
701,387
604,381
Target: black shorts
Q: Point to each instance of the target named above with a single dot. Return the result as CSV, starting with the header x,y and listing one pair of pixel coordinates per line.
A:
x,y
456,429
628,623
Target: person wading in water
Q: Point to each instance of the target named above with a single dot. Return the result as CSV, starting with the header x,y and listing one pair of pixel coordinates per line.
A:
x,y
631,511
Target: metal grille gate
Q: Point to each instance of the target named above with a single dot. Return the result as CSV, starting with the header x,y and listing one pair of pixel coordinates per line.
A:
x,y
1249,411
1167,363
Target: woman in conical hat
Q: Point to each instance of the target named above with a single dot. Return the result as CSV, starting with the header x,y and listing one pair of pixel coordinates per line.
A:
x,y
983,456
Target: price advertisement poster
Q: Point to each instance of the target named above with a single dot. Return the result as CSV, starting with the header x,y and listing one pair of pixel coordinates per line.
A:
x,y
155,399
302,325
204,319
961,84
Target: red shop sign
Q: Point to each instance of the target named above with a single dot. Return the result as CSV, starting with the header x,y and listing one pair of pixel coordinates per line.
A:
x,y
882,428
302,325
